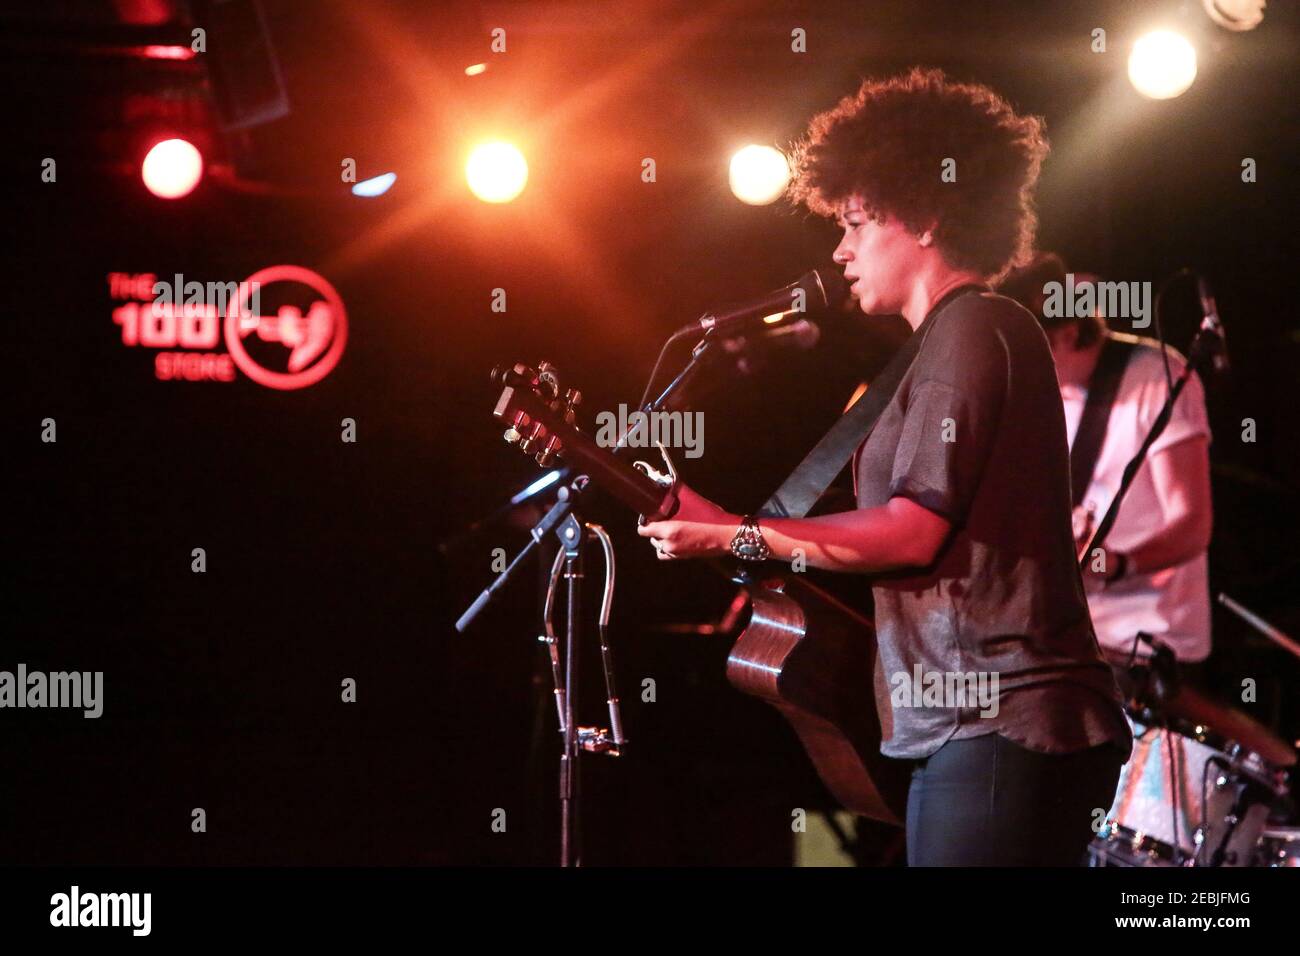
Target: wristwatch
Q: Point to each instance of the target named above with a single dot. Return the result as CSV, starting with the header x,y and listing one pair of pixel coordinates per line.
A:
x,y
748,543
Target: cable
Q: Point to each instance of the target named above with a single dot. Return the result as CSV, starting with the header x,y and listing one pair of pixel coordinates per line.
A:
x,y
1205,805
606,651
552,642
1132,654
654,373
1175,782
1160,334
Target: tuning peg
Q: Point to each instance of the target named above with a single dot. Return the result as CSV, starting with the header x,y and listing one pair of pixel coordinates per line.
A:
x,y
572,398
535,436
548,376
518,374
513,434
546,457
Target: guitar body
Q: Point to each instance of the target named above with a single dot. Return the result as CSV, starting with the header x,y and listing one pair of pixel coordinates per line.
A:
x,y
814,659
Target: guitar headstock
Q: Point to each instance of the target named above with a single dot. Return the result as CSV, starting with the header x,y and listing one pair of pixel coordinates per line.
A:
x,y
534,406
538,413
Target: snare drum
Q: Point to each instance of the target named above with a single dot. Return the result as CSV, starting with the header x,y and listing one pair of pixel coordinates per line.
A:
x,y
1188,799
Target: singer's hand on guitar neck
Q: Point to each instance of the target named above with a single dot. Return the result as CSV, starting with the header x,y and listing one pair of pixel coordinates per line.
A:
x,y
699,529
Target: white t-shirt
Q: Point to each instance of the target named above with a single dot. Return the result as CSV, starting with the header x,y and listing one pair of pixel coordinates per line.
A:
x,y
1173,604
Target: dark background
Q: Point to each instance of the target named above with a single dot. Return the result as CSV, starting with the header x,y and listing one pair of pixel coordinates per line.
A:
x,y
222,689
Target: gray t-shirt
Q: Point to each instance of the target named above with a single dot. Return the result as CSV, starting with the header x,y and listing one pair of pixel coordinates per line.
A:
x,y
995,636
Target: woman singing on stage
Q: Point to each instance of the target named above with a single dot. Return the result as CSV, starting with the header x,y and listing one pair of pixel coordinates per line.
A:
x,y
962,486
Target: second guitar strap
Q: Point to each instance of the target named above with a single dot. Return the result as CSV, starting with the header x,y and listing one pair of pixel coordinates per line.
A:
x,y
1091,433
808,482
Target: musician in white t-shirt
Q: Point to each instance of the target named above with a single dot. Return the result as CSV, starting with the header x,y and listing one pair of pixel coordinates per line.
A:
x,y
1155,579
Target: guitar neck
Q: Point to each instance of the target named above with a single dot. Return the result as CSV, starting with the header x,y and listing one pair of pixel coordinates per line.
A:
x,y
612,472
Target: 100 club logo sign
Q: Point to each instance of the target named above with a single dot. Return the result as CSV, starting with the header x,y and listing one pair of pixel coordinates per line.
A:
x,y
283,327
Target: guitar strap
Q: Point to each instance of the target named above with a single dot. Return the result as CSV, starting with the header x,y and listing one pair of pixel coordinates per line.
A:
x,y
1103,386
808,482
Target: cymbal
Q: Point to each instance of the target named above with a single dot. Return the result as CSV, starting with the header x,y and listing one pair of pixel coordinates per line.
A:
x,y
1192,706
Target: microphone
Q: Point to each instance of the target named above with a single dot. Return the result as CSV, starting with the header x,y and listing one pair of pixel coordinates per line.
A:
x,y
1212,326
816,291
801,334
753,350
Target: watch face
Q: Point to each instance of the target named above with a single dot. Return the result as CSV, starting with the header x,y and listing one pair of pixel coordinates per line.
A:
x,y
749,544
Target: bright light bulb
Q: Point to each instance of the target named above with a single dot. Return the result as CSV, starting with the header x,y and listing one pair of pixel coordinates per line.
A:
x,y
1236,15
172,169
496,172
375,186
759,174
1162,64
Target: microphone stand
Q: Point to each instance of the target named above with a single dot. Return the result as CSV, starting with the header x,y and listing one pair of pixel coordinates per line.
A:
x,y
563,521
1202,348
1278,637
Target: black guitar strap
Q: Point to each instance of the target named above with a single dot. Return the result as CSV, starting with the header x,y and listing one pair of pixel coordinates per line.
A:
x,y
1102,389
808,482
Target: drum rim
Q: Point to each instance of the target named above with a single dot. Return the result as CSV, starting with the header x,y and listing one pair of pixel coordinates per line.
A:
x,y
1242,758
1204,734
1141,844
1287,833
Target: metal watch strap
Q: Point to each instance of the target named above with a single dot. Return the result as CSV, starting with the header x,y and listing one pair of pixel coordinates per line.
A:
x,y
747,543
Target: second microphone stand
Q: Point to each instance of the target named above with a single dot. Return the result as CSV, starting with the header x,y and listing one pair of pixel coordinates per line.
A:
x,y
1203,347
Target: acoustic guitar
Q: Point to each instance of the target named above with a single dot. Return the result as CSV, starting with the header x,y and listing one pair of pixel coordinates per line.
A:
x,y
803,651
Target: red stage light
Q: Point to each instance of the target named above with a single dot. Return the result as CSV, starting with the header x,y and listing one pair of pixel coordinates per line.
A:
x,y
172,168
158,51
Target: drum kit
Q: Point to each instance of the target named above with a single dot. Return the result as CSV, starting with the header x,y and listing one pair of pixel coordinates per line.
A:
x,y
1206,785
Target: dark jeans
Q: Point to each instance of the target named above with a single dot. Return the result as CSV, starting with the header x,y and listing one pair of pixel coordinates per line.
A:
x,y
987,801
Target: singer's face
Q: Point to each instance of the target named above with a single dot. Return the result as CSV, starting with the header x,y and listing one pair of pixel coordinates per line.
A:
x,y
880,260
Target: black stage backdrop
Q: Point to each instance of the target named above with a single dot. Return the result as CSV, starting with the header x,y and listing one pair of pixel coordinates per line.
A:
x,y
222,689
